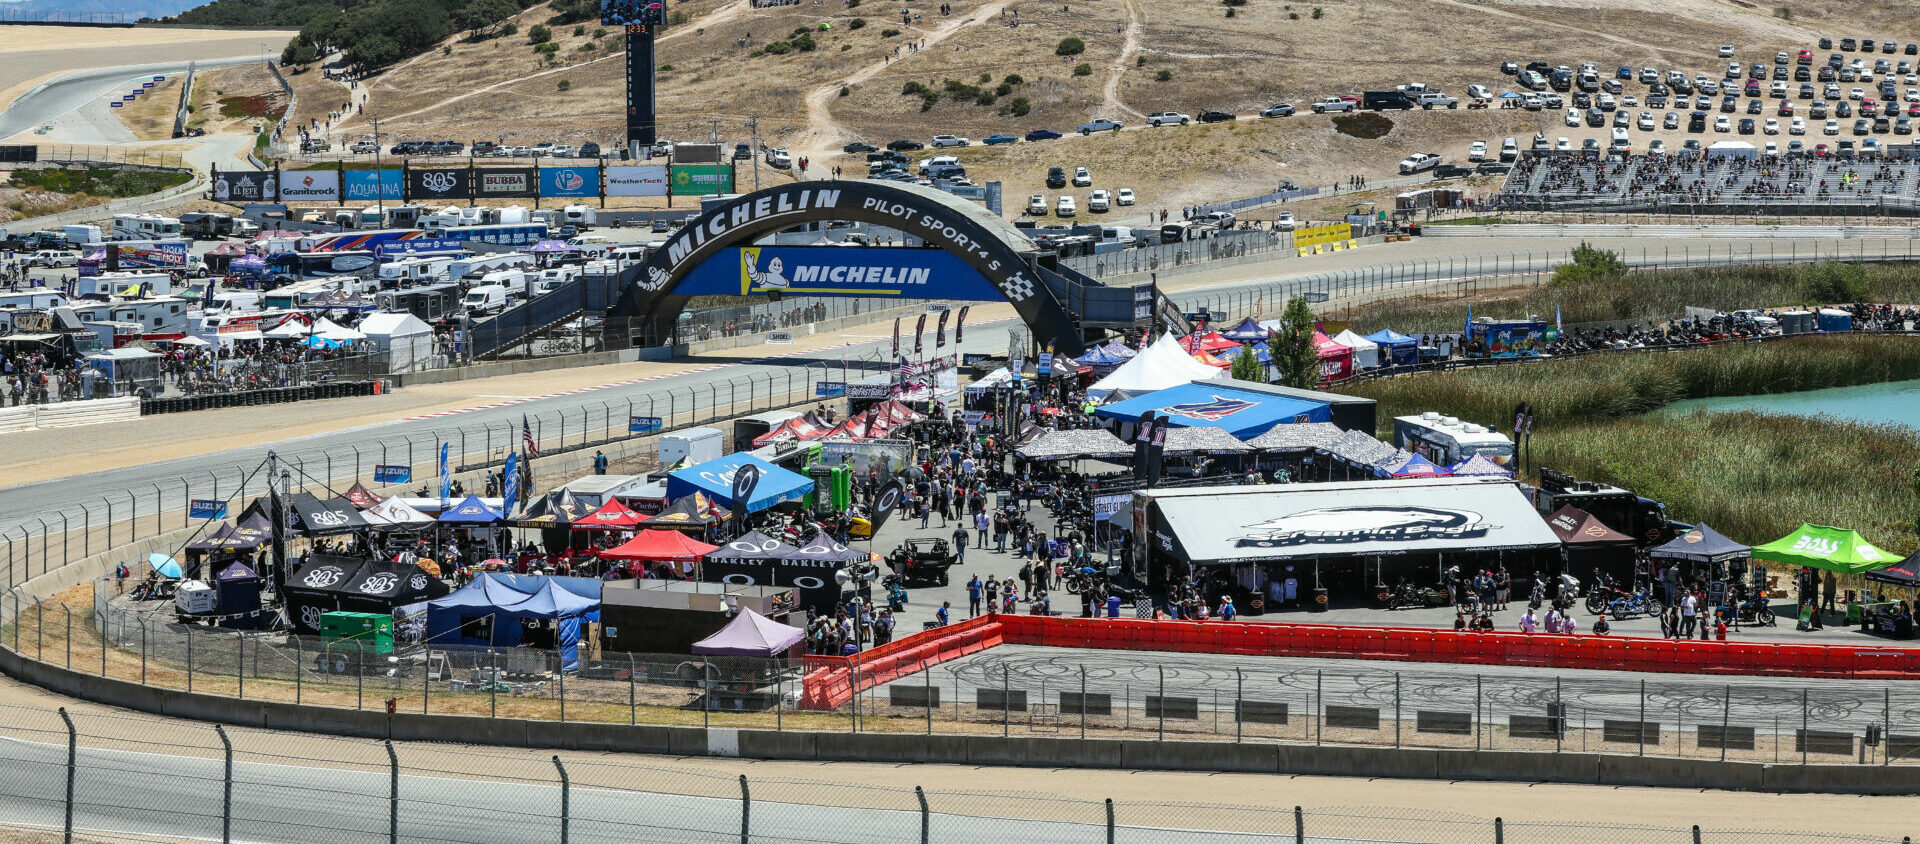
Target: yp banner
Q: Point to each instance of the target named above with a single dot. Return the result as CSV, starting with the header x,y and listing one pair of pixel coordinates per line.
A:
x,y
569,181
702,179
1329,233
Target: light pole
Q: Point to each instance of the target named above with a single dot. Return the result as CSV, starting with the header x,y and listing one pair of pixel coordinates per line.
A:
x,y
379,180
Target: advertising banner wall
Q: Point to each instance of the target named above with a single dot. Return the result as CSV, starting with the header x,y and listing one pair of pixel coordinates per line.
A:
x,y
372,185
439,183
310,186
641,180
245,186
702,179
839,271
570,181
505,181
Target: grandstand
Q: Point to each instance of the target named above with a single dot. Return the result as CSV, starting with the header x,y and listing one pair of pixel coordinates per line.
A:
x,y
1782,184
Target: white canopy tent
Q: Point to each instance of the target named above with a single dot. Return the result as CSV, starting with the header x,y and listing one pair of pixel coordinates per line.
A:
x,y
406,339
1164,364
330,330
291,328
1366,353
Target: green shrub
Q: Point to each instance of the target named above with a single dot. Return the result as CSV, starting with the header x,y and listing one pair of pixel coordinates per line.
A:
x,y
778,48
539,34
1019,107
1589,264
1003,89
928,99
1013,79
564,84
1164,75
579,30
889,33
1834,283
665,67
986,98
1317,13
1070,47
913,88
547,49
1084,69
857,23
803,42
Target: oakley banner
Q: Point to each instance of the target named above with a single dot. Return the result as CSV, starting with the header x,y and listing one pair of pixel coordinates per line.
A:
x,y
642,180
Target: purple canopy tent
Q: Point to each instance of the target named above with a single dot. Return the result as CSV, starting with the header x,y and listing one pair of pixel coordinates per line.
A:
x,y
751,634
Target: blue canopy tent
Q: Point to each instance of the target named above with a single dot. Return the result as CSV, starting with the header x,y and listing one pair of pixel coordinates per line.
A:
x,y
488,612
715,478
470,511
1396,349
1242,413
1416,467
1106,357
1248,331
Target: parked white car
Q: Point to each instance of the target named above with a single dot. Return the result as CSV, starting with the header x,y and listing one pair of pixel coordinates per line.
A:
x,y
1037,205
1477,151
1082,178
1123,196
1099,202
1168,118
1066,207
945,141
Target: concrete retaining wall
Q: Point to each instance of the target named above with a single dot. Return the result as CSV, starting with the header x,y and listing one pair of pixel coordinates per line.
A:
x,y
1021,751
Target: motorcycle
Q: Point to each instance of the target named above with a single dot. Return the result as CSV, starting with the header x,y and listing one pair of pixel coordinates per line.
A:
x,y
1603,594
1641,602
1405,596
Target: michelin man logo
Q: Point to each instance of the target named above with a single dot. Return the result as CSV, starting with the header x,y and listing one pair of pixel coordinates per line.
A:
x,y
771,278
656,278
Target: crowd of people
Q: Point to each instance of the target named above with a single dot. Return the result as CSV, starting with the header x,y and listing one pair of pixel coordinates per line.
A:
x,y
1697,178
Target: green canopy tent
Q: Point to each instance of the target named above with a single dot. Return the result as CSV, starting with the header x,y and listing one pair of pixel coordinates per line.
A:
x,y
1822,547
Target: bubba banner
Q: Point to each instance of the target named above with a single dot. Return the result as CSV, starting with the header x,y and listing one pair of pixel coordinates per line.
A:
x,y
505,181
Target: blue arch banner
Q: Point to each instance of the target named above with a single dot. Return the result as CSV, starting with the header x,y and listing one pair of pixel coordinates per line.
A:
x,y
839,271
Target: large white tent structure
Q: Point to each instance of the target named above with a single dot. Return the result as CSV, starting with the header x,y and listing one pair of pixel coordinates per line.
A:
x,y
1366,353
1164,364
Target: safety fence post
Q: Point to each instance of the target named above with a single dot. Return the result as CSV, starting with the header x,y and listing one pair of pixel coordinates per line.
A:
x,y
226,791
1396,709
746,812
1499,831
1163,711
1110,812
189,658
299,680
73,752
925,817
1299,826
69,613
239,666
393,794
566,800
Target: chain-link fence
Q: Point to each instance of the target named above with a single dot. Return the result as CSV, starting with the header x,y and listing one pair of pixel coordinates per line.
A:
x,y
1005,691
1167,257
97,776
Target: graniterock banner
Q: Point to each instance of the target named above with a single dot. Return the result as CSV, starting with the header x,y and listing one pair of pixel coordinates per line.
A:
x,y
506,181
440,183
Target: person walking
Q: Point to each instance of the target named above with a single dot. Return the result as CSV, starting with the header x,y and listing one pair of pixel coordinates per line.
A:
x,y
1689,606
974,591
980,525
960,544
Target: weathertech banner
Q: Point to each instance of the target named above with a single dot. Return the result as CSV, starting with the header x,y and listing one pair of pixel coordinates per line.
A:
x,y
505,181
642,180
440,183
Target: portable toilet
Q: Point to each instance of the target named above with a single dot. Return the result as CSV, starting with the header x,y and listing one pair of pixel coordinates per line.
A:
x,y
1834,319
1796,322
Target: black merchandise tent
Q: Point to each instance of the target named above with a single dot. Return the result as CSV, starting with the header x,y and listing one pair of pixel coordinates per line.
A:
x,y
688,512
751,560
328,583
1905,573
314,517
315,588
810,569
1588,544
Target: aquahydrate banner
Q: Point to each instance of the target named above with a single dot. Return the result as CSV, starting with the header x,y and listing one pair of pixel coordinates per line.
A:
x,y
838,271
374,185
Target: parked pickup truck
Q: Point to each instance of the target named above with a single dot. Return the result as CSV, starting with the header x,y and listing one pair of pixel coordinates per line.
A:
x,y
1435,98
1419,162
1331,105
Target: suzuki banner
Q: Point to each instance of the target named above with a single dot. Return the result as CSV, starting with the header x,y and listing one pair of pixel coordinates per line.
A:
x,y
505,181
702,179
439,183
569,181
839,271
310,186
373,185
642,180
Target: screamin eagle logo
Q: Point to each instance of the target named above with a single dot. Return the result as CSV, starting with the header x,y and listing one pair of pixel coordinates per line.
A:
x,y
1349,525
1213,410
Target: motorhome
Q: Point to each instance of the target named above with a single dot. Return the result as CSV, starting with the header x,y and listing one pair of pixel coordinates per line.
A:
x,y
579,215
144,227
552,278
408,272
301,265
42,298
1446,440
123,284
79,235
298,294
159,315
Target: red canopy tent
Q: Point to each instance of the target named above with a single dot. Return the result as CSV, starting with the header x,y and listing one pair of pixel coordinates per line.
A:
x,y
361,497
805,427
660,546
1212,341
1209,359
612,515
1336,359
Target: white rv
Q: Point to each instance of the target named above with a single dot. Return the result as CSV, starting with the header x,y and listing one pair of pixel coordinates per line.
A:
x,y
145,227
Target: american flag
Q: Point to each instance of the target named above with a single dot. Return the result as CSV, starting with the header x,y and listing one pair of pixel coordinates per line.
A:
x,y
526,439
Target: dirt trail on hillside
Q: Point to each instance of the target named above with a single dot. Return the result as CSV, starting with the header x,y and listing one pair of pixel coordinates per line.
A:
x,y
823,134
1136,26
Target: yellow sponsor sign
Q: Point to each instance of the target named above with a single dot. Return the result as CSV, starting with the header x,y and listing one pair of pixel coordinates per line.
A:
x,y
1329,233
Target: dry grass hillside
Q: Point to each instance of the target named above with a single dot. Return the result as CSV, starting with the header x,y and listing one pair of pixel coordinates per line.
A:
x,y
1139,56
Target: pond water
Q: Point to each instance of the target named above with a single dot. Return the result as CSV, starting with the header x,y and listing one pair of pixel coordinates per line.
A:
x,y
1896,403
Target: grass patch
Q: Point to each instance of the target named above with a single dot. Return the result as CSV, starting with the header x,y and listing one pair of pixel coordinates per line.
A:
x,y
1365,125
1752,477
251,106
1658,295
95,181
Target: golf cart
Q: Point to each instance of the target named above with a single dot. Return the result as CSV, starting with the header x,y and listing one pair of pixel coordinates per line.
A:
x,y
923,559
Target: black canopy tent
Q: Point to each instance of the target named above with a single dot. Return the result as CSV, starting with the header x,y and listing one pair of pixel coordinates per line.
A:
x,y
751,560
330,583
1905,573
1703,546
1588,544
314,517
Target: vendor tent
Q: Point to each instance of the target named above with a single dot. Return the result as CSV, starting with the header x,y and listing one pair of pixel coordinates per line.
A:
x,y
361,497
1336,359
1099,357
489,612
1905,573
660,546
1822,547
555,509
1211,341
293,327
1575,526
394,513
314,517
715,478
470,511
1075,444
1164,364
612,515
1366,353
1415,466
751,634
1396,349
694,512
1701,545
252,531
804,427
1242,413
330,330
1480,464
1248,331
404,338
1203,440
1299,436
754,546
823,549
